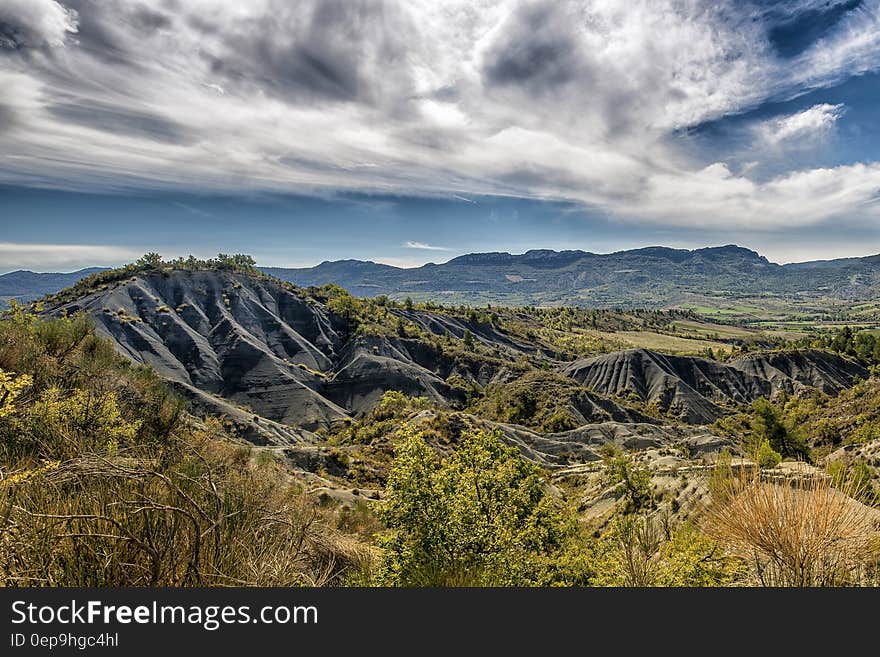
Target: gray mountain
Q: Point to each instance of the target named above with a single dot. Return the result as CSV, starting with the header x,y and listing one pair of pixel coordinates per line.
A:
x,y
25,286
269,356
700,390
649,277
652,277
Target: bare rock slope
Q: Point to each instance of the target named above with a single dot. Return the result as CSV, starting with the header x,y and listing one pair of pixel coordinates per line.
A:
x,y
274,360
699,389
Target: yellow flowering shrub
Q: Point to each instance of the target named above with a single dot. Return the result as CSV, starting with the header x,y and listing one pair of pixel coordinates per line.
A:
x,y
11,386
83,415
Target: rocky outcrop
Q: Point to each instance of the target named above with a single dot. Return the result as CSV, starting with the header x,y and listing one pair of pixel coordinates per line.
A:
x,y
268,356
698,389
793,370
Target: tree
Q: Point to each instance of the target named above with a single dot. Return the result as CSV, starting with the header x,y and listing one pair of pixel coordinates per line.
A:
x,y
631,480
843,341
149,261
864,344
236,262
468,339
408,303
479,517
345,306
766,424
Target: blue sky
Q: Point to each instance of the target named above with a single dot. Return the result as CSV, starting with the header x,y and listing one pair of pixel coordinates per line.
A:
x,y
409,132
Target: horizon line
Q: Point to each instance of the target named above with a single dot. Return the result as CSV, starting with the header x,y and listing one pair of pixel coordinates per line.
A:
x,y
477,253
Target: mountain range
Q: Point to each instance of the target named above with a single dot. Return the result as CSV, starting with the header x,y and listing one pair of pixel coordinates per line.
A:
x,y
25,286
653,277
648,277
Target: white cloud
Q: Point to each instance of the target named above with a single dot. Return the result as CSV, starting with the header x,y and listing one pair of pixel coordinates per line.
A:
x,y
61,257
715,198
810,124
578,101
403,263
424,247
35,23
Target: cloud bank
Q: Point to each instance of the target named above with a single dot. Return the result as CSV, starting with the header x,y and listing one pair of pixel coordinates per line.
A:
x,y
61,257
578,101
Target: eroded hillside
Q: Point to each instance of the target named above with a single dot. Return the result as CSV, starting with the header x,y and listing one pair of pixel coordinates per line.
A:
x,y
289,366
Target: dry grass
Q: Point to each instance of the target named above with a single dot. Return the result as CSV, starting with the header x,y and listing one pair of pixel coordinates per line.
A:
x,y
803,532
672,344
208,517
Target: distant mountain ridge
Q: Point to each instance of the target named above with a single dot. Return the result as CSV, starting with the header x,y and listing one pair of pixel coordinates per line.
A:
x,y
24,285
648,277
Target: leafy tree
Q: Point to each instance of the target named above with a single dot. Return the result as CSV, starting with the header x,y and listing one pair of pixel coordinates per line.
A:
x,y
344,305
766,424
408,303
843,341
864,345
236,262
468,339
481,517
631,480
149,261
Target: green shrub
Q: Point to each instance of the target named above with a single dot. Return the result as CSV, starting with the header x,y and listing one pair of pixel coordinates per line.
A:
x,y
480,517
638,551
630,479
765,456
107,482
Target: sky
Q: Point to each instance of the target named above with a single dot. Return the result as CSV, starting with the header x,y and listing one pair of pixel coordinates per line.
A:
x,y
412,131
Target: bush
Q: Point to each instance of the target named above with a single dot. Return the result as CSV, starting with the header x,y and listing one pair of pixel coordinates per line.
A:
x,y
10,388
856,475
639,551
765,456
799,533
480,517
